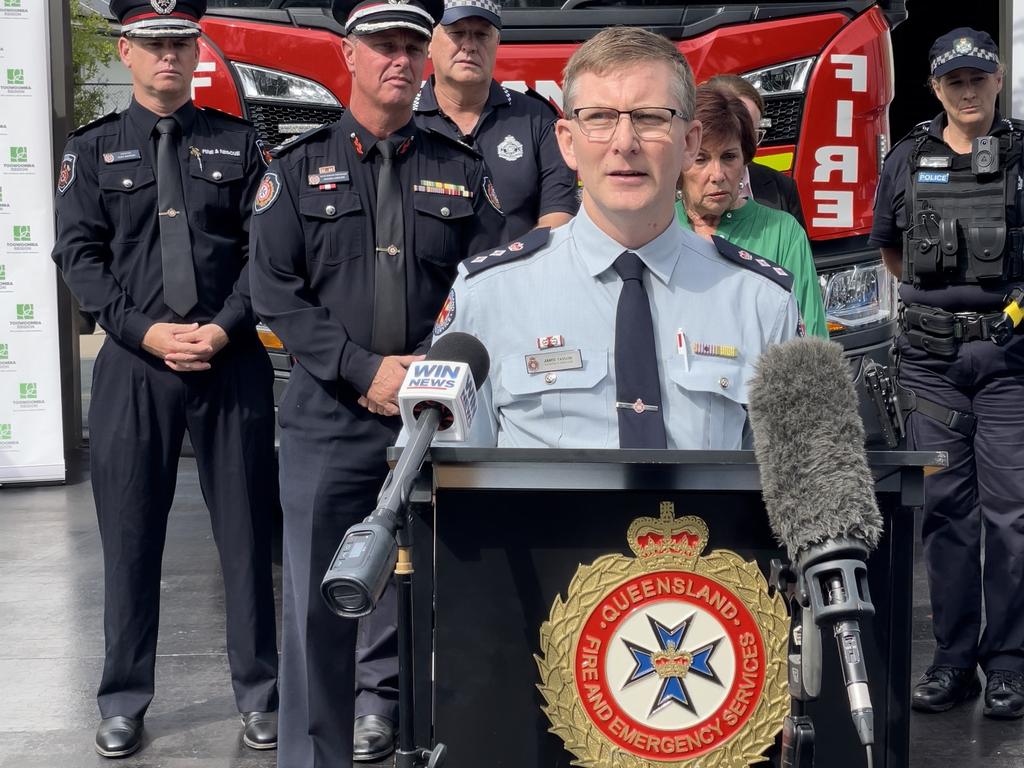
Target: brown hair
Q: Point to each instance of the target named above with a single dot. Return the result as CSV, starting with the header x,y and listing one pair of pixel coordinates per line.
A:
x,y
613,48
738,87
724,119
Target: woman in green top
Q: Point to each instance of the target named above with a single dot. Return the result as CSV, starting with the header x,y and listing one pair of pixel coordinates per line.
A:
x,y
712,204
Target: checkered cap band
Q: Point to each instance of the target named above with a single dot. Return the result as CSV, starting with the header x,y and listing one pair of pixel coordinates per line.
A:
x,y
974,52
460,9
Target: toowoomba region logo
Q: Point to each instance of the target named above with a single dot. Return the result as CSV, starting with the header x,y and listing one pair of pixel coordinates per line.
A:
x,y
668,659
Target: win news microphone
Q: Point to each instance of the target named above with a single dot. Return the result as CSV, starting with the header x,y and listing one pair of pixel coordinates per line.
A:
x,y
437,398
819,492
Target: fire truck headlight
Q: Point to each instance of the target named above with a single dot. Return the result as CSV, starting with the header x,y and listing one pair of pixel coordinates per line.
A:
x,y
781,79
272,85
857,297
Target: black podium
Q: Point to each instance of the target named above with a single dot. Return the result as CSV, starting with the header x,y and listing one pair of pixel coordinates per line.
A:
x,y
498,535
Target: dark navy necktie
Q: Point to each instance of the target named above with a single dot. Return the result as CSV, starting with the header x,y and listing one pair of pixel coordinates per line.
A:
x,y
388,336
637,387
175,242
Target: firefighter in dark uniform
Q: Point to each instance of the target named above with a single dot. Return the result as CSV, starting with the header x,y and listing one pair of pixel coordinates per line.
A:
x,y
153,208
948,218
514,132
357,231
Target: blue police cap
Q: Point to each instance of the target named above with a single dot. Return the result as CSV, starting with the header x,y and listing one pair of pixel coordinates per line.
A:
x,y
364,17
463,9
159,18
963,47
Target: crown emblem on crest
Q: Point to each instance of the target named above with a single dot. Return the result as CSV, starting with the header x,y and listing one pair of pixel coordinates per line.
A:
x,y
163,7
653,539
671,662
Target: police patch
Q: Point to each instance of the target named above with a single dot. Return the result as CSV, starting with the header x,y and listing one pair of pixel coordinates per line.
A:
x,y
511,149
267,193
67,173
492,195
447,314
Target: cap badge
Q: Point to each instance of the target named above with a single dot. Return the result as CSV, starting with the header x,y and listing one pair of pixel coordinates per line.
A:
x,y
963,46
163,7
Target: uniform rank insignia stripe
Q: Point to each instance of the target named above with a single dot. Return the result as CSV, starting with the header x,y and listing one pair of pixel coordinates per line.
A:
x,y
332,177
67,172
121,156
753,262
713,350
441,188
525,245
447,314
266,194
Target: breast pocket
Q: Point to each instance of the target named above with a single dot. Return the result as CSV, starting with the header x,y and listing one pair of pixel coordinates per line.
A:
x,y
559,408
215,195
130,197
440,221
714,391
334,225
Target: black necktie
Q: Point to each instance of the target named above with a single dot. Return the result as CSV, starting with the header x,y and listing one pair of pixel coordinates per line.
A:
x,y
637,388
175,244
389,275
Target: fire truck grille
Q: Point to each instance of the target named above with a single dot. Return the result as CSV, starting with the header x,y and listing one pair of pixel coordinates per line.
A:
x,y
276,122
785,115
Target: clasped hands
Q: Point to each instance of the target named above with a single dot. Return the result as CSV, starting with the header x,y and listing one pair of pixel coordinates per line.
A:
x,y
185,347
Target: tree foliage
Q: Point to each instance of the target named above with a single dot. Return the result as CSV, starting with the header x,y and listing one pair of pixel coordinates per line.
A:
x,y
92,47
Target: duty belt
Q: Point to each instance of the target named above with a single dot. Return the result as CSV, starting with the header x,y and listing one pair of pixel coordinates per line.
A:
x,y
940,332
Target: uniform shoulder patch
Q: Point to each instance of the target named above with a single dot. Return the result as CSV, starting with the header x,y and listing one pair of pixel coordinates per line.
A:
x,y
67,172
532,241
753,262
447,314
107,118
267,192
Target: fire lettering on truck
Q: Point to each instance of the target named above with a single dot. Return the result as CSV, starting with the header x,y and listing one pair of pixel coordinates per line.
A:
x,y
834,207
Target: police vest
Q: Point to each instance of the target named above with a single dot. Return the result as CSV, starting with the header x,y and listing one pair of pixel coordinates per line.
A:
x,y
964,225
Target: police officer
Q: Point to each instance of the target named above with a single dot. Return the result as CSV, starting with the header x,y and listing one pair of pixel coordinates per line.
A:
x,y
616,331
357,232
153,208
948,220
514,132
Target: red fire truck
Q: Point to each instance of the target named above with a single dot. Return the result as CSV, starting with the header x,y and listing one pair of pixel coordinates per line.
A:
x,y
825,69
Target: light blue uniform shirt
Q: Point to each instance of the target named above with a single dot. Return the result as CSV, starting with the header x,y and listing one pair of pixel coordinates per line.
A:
x,y
566,293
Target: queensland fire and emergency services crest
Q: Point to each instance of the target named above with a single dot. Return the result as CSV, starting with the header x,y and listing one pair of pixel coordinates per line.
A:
x,y
667,659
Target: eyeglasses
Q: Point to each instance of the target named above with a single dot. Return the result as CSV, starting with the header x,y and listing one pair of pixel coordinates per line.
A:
x,y
599,123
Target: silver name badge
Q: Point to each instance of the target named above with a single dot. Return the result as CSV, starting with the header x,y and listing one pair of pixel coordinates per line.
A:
x,y
560,360
934,162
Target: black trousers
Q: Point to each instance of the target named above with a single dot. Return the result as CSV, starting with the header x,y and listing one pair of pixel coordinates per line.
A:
x,y
333,463
982,490
140,411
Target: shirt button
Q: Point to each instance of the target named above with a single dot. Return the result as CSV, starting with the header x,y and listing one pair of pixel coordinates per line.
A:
x,y
127,183
723,383
446,211
330,210
550,378
217,175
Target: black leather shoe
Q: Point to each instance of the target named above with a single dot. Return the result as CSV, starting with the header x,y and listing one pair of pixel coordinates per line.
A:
x,y
259,730
372,739
942,687
1004,694
118,736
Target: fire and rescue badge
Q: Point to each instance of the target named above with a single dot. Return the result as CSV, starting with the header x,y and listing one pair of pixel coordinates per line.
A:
x,y
668,659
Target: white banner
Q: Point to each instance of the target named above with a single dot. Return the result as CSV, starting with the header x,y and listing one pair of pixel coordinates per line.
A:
x,y
31,437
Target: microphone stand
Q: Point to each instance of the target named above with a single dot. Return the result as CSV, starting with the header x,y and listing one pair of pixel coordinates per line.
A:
x,y
804,664
408,755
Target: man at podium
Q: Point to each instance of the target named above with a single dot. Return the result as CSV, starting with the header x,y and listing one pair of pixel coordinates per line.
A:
x,y
620,329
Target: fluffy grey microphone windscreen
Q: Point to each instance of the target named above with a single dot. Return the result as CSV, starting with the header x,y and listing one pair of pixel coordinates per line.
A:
x,y
809,442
